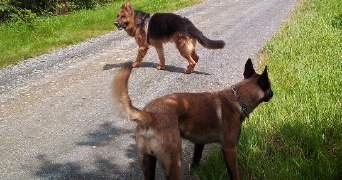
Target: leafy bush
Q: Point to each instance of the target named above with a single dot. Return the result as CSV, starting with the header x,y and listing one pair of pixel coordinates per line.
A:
x,y
27,10
7,12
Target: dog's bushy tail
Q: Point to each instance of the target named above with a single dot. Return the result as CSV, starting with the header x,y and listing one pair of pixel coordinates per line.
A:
x,y
122,101
204,41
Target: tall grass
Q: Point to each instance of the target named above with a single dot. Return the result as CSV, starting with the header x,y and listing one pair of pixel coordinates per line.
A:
x,y
19,41
298,134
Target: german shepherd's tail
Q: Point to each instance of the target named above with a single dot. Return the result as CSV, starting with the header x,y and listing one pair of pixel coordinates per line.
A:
x,y
204,41
122,102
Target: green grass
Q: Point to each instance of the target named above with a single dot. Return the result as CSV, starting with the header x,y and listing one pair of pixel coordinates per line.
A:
x,y
19,41
298,134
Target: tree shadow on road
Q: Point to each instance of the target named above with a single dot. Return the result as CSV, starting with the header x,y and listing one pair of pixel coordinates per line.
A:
x,y
73,170
104,167
169,68
103,135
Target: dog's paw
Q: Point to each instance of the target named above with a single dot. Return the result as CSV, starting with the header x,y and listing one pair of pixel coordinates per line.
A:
x,y
187,71
160,67
193,165
135,64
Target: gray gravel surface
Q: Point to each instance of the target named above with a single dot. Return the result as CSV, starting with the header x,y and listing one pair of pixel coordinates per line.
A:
x,y
56,119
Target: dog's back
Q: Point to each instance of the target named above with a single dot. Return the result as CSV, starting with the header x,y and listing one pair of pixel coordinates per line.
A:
x,y
165,25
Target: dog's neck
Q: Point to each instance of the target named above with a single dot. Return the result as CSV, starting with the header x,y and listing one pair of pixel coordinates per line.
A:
x,y
242,105
250,99
141,20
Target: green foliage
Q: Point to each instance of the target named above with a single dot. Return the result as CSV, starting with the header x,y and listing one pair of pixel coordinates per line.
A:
x,y
24,10
297,135
7,12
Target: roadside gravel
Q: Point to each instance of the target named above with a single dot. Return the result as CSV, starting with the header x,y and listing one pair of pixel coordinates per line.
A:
x,y
56,120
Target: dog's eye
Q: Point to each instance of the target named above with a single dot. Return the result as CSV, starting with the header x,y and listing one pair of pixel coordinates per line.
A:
x,y
123,17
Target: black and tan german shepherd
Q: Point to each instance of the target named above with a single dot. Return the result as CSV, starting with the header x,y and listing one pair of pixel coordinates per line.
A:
x,y
199,117
162,28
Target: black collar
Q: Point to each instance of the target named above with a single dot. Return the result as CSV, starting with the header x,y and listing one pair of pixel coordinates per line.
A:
x,y
243,107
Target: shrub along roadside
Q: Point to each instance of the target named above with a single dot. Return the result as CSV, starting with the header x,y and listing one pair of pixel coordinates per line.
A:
x,y
18,10
42,34
298,134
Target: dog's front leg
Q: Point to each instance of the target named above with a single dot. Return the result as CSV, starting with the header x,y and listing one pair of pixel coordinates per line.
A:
x,y
160,50
141,54
230,155
229,147
197,155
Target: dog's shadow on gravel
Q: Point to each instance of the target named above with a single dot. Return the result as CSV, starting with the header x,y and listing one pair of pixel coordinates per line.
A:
x,y
103,166
169,68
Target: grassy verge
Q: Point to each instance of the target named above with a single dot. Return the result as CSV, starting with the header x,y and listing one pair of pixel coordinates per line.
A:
x,y
298,134
20,41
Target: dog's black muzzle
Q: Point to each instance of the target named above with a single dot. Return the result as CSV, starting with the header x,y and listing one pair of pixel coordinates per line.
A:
x,y
116,24
121,26
269,96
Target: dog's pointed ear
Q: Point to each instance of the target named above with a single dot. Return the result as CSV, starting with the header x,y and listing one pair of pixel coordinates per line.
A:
x,y
263,80
129,6
249,69
123,6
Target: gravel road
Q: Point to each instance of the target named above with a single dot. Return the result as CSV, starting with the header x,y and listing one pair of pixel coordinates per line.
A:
x,y
56,120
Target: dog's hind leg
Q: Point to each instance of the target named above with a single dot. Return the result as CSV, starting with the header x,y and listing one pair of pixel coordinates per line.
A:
x,y
194,56
149,166
173,166
197,154
171,155
186,47
173,171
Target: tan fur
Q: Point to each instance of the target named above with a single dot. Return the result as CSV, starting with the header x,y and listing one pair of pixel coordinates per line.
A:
x,y
199,117
185,46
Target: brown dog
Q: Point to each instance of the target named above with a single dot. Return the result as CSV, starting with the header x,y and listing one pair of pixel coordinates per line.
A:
x,y
199,117
162,28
